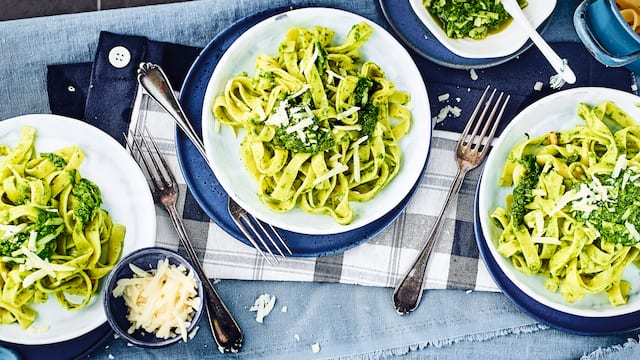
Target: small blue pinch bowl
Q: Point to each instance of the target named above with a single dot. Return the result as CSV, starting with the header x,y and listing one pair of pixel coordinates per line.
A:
x,y
606,35
116,309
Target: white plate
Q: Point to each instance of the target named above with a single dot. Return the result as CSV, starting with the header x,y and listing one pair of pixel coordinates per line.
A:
x,y
223,148
555,112
503,43
126,197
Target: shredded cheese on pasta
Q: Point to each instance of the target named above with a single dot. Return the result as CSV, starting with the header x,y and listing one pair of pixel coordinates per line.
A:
x,y
54,237
563,237
332,124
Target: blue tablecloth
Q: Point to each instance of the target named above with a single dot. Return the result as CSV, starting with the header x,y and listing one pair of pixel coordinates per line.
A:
x,y
346,321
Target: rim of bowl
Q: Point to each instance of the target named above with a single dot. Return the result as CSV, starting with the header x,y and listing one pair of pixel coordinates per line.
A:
x,y
113,277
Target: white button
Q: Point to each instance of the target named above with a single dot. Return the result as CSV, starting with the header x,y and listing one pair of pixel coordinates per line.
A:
x,y
119,57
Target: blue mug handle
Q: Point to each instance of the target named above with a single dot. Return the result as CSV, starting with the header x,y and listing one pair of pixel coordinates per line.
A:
x,y
593,46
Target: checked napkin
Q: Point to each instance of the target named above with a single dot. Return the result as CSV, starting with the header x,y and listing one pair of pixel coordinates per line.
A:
x,y
108,97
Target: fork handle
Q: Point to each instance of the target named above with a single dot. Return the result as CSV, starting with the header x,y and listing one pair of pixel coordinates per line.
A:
x,y
224,328
153,79
408,292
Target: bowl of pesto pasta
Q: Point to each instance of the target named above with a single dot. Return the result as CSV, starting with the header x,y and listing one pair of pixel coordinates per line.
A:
x,y
479,29
73,203
310,126
557,202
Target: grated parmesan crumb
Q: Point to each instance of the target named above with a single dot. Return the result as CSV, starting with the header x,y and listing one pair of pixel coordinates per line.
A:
x,y
297,337
469,291
445,112
110,356
443,97
634,87
284,309
263,306
474,75
193,332
538,86
315,347
556,81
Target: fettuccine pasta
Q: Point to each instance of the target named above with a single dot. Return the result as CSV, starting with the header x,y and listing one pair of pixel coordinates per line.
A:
x,y
321,128
54,237
630,11
573,215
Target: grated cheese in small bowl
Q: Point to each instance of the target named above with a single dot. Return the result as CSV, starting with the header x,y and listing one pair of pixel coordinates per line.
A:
x,y
153,298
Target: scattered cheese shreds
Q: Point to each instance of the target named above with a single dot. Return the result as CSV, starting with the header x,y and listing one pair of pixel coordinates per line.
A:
x,y
621,164
473,74
302,90
263,306
347,112
443,97
315,347
311,61
446,111
162,302
339,168
538,86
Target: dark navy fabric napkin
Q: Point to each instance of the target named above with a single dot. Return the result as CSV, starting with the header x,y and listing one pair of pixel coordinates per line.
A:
x,y
103,94
518,78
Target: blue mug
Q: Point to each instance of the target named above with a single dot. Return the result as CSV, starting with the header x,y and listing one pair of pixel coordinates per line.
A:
x,y
606,35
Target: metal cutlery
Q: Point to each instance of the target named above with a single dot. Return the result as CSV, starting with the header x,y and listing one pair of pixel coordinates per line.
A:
x,y
470,152
153,79
164,187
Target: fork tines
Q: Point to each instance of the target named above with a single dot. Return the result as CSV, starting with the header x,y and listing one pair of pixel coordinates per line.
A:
x,y
165,191
480,142
253,228
156,166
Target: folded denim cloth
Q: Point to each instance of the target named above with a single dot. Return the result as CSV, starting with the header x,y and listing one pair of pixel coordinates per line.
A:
x,y
103,94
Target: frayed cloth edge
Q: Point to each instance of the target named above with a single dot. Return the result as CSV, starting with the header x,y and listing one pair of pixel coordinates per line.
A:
x,y
601,353
438,343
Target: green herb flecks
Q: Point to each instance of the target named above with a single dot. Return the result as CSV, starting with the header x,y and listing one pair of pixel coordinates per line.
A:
x,y
474,19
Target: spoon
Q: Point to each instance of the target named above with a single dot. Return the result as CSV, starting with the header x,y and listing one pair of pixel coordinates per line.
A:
x,y
559,65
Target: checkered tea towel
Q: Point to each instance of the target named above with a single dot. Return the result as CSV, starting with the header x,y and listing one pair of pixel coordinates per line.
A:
x,y
381,261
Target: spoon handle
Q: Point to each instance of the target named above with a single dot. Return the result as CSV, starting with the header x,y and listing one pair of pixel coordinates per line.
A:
x,y
558,64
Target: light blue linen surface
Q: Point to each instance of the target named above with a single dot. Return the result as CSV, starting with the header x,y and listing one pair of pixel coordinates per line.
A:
x,y
346,321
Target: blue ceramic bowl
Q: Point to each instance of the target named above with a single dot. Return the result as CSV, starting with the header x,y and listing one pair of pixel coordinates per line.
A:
x,y
115,308
606,35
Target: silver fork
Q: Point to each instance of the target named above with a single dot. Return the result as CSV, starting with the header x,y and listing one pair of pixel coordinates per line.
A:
x,y
153,79
224,328
471,150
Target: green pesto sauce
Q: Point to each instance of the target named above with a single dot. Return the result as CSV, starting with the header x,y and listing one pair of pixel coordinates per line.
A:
x,y
317,140
89,199
47,227
474,19
319,137
57,160
522,193
610,216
